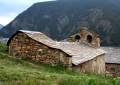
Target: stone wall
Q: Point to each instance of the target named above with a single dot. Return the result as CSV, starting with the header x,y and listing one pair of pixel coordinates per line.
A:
x,y
23,46
96,65
85,36
113,69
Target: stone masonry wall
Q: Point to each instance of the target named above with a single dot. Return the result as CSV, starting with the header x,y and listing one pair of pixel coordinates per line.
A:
x,y
113,69
83,34
23,46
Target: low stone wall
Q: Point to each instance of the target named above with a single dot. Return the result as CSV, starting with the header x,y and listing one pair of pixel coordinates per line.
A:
x,y
113,69
23,46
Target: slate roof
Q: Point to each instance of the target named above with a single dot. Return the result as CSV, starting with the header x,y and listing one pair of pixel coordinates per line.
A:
x,y
80,53
112,55
35,35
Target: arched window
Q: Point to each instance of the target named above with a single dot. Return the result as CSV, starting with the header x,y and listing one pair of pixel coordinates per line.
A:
x,y
77,37
89,38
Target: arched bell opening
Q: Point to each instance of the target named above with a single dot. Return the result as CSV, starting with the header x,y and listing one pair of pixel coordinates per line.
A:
x,y
89,38
77,38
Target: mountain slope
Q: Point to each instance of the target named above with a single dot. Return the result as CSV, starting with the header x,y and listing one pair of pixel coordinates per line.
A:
x,y
1,26
59,19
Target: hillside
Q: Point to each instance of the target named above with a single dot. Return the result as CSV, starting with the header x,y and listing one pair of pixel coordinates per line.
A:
x,y
23,72
1,26
59,19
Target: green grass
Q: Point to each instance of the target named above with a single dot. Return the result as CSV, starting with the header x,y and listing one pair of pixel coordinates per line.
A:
x,y
3,47
23,72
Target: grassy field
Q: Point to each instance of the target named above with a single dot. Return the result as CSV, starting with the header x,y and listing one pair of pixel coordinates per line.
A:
x,y
23,72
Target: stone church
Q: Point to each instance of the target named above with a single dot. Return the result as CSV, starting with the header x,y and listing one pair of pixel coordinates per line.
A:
x,y
81,51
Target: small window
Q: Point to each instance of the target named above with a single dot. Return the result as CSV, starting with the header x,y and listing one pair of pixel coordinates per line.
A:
x,y
89,38
77,37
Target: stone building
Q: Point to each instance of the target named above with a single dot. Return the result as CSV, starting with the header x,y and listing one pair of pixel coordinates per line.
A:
x,y
112,60
75,55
